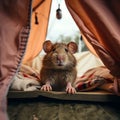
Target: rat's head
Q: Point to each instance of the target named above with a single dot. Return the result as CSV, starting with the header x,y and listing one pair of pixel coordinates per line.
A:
x,y
59,55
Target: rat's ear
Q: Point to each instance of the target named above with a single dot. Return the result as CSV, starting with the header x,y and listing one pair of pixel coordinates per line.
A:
x,y
72,46
47,46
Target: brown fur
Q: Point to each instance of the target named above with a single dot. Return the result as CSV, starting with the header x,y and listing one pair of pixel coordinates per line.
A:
x,y
59,65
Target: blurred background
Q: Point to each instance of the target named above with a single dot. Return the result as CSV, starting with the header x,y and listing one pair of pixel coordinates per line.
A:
x,y
64,29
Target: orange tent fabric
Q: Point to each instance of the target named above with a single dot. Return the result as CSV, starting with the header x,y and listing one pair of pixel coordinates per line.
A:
x,y
38,31
99,22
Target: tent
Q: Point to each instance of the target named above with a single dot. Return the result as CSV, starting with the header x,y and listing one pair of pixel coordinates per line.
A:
x,y
21,39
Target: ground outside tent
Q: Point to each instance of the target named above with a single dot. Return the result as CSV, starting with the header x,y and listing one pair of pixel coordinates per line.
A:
x,y
52,109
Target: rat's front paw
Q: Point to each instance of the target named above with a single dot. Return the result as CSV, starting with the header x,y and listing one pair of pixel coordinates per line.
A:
x,y
46,87
70,90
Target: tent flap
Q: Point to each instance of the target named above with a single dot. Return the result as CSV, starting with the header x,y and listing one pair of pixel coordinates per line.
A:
x,y
99,22
41,10
14,32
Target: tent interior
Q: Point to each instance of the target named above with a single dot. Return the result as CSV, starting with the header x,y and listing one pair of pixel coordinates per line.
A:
x,y
97,83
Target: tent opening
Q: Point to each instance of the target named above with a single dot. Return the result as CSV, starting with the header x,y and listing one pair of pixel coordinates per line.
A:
x,y
45,26
48,27
63,29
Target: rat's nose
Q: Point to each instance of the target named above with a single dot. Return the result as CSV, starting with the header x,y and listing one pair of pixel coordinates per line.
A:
x,y
60,59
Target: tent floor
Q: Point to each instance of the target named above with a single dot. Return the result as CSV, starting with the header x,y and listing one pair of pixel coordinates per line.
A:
x,y
49,106
96,96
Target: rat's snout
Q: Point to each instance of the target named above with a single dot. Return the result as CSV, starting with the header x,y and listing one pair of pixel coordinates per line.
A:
x,y
60,57
60,60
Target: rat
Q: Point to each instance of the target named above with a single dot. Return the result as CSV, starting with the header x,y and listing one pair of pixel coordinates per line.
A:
x,y
58,71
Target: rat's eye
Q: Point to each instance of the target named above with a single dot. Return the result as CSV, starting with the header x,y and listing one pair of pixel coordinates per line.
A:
x,y
66,50
53,49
